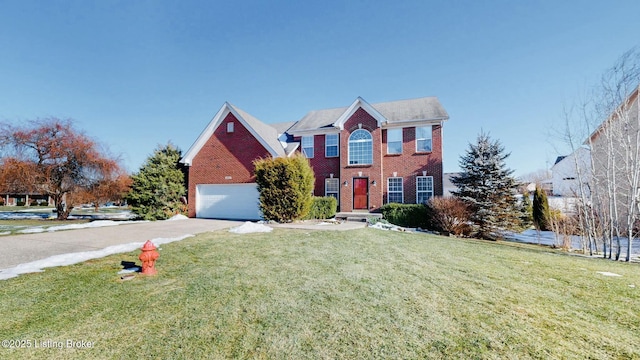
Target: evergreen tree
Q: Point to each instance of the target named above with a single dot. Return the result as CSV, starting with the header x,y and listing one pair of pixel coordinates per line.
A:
x,y
159,185
541,213
526,210
487,186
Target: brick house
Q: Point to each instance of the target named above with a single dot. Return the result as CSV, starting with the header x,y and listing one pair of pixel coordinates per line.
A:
x,y
365,155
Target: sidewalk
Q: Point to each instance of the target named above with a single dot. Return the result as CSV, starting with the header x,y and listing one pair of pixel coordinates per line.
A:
x,y
20,249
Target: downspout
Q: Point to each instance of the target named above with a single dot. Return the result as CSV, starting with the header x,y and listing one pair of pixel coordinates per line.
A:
x,y
442,160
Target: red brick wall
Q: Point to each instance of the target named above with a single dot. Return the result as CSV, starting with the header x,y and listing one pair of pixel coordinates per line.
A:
x,y
410,164
372,172
232,154
225,155
322,166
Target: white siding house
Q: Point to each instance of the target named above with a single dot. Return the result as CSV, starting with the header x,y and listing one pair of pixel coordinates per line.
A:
x,y
565,177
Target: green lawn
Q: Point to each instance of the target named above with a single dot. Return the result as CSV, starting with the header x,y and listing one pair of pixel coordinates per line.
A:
x,y
356,294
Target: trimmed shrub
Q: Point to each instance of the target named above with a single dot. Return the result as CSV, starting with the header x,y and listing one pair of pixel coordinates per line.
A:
x,y
21,203
285,186
541,213
449,216
33,203
407,215
323,207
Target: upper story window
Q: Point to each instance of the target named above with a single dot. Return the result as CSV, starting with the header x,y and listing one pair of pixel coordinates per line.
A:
x,y
360,148
307,146
394,141
230,127
423,138
424,189
331,145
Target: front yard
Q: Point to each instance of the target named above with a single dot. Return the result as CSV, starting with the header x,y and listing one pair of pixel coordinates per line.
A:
x,y
304,294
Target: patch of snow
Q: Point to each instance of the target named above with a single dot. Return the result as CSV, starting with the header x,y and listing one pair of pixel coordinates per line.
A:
x,y
383,226
325,223
606,273
93,224
632,286
5,233
20,216
249,227
78,257
178,217
380,226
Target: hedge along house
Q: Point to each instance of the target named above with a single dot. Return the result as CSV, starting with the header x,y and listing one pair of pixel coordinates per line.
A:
x,y
365,155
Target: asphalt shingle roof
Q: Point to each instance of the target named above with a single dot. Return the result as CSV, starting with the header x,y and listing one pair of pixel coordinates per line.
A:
x,y
268,133
426,108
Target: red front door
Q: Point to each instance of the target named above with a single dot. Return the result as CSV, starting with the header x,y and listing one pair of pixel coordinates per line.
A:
x,y
360,193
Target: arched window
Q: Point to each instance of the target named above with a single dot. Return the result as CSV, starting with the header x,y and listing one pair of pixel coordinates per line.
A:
x,y
360,148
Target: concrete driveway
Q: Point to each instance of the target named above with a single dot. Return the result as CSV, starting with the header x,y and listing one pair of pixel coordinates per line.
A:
x,y
20,249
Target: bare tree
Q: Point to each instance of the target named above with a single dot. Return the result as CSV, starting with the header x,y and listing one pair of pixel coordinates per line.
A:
x,y
50,157
608,194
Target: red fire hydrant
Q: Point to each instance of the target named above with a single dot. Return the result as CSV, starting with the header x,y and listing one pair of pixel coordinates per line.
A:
x,y
148,257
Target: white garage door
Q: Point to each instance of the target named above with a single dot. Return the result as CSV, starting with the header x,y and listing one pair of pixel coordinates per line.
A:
x,y
228,201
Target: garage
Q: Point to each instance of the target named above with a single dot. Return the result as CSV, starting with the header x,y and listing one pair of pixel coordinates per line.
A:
x,y
228,201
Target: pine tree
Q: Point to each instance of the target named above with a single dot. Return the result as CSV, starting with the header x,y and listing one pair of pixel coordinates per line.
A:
x,y
487,186
541,213
526,210
158,186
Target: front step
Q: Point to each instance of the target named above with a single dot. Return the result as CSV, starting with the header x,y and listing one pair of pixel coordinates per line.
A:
x,y
357,216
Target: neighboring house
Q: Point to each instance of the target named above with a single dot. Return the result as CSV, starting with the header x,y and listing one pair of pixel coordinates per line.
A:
x,y
365,155
12,199
615,148
447,185
566,180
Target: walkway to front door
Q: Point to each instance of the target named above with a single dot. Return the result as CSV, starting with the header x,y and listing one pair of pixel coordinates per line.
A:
x,y
360,193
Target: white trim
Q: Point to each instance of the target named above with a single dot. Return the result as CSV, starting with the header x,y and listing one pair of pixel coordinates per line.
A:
x,y
307,132
349,147
208,131
413,122
296,145
359,103
337,145
430,138
401,141
395,192
418,191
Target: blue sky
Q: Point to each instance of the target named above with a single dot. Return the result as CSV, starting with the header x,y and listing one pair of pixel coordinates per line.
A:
x,y
138,74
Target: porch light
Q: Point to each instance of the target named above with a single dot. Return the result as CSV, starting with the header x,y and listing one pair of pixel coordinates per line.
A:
x,y
345,183
374,183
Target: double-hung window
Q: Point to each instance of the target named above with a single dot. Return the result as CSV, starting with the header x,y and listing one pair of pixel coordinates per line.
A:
x,y
307,146
394,141
394,190
332,188
423,139
331,145
424,189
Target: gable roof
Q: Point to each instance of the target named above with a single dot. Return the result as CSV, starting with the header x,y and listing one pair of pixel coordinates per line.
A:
x,y
620,110
560,158
265,134
389,113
